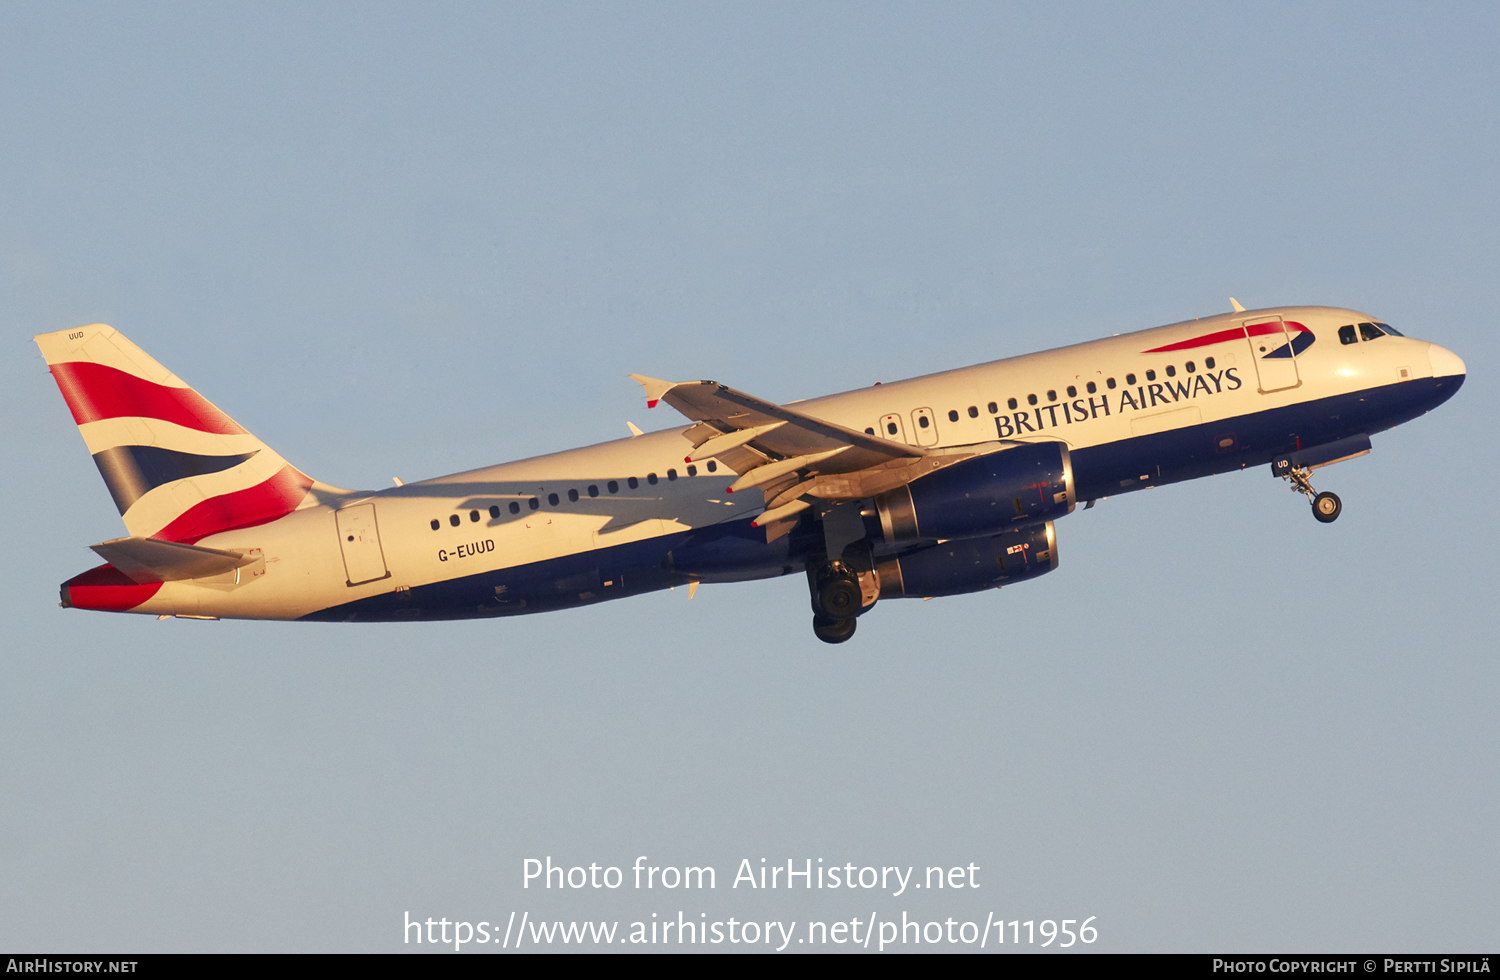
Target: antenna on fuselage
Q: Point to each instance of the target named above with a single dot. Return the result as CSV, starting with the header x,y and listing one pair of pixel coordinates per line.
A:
x,y
1236,304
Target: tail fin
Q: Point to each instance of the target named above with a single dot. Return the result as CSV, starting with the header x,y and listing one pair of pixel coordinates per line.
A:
x,y
178,468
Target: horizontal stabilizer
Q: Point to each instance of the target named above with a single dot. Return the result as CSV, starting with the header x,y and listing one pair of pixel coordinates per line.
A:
x,y
145,560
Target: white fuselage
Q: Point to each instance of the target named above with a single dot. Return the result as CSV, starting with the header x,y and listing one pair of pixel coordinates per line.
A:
x,y
460,528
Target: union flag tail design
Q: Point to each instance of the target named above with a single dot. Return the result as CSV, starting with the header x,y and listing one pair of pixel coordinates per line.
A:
x,y
178,468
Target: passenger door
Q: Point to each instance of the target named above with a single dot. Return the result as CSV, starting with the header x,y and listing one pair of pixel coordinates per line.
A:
x,y
1271,350
359,539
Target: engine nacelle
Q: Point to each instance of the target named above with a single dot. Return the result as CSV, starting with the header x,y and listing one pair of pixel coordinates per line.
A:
x,y
1015,487
970,564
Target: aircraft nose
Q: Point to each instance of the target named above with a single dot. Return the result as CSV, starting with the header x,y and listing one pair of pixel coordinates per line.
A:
x,y
1445,363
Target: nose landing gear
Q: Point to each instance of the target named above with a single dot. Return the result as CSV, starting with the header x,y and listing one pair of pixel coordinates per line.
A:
x,y
1326,506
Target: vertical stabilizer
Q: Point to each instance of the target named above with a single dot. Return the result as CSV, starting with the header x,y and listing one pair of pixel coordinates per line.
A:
x,y
177,467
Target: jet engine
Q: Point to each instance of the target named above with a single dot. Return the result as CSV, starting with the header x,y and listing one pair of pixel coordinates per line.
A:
x,y
1017,487
970,564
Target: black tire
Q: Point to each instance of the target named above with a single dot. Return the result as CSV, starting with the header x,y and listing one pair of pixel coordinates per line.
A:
x,y
831,630
839,598
1327,506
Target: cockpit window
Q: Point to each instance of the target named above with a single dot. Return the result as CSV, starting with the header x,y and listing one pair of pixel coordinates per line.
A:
x,y
1346,335
1369,331
1389,329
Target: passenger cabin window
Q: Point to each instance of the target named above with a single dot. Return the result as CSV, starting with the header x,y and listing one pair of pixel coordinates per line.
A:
x,y
612,486
994,409
593,490
1171,371
515,508
573,496
671,474
869,431
474,516
1150,374
1109,383
973,411
435,524
1208,364
1072,392
890,427
1346,335
632,483
1011,403
952,415
453,519
1092,387
1191,367
494,510
924,421
533,503
1369,331
692,471
651,478
712,466
1130,379
1052,396
1031,399
552,499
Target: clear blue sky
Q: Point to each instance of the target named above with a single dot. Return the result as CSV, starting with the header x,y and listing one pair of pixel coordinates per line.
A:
x,y
402,239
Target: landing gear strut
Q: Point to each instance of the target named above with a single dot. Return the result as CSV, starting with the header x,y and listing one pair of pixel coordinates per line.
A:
x,y
1326,506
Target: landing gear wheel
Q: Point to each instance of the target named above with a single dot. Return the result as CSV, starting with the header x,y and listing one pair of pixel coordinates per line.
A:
x,y
1327,506
839,598
831,630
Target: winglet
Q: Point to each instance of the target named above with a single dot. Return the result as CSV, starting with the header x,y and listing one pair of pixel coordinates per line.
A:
x,y
634,429
655,388
1232,302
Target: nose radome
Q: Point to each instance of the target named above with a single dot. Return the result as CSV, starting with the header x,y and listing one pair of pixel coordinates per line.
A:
x,y
1445,363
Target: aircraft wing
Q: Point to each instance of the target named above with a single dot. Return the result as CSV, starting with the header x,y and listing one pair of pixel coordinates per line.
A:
x,y
787,454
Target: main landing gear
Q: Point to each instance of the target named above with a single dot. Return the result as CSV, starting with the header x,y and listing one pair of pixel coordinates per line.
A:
x,y
1326,506
831,630
837,599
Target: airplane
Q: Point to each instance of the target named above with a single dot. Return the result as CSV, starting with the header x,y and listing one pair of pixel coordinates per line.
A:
x,y
935,486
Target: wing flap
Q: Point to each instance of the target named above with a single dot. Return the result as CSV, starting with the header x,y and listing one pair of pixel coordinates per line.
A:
x,y
723,413
791,456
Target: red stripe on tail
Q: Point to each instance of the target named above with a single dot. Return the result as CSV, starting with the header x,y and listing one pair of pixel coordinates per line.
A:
x,y
260,504
97,391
